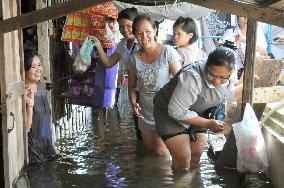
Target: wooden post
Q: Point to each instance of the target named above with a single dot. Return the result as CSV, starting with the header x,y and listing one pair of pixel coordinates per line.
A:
x,y
248,82
22,70
43,42
12,91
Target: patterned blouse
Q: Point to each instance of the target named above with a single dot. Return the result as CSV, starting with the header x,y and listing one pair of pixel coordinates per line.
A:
x,y
191,54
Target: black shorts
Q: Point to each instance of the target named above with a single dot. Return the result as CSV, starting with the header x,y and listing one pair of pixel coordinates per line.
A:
x,y
168,127
191,131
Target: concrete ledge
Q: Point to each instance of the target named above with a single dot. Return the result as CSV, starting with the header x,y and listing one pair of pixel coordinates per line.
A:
x,y
275,152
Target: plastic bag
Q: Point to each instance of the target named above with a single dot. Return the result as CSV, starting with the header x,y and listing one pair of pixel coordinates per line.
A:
x,y
252,156
123,104
83,59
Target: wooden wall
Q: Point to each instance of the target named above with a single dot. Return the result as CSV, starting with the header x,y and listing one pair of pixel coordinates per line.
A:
x,y
12,90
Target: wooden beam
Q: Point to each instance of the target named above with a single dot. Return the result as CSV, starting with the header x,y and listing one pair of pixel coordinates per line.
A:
x,y
45,14
278,5
259,2
268,94
267,3
267,15
249,63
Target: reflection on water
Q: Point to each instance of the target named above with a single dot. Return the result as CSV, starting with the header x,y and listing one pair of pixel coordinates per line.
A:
x,y
106,153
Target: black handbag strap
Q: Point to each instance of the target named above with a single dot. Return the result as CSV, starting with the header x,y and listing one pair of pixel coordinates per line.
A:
x,y
133,47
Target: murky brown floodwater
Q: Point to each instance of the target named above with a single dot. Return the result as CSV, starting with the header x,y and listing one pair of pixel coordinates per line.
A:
x,y
104,152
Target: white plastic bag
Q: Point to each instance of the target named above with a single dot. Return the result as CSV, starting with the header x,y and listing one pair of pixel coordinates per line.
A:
x,y
83,59
252,156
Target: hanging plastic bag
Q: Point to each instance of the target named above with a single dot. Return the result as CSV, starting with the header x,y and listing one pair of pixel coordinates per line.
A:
x,y
83,59
123,104
252,156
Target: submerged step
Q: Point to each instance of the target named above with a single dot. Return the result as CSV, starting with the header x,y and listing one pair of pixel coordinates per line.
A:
x,y
276,125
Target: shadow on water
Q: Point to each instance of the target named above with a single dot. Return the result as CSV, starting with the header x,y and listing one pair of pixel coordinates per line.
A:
x,y
106,153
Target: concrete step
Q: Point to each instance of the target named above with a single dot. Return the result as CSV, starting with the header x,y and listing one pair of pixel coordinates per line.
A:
x,y
279,114
276,125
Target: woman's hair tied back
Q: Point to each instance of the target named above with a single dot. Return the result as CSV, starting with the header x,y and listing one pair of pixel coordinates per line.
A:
x,y
222,56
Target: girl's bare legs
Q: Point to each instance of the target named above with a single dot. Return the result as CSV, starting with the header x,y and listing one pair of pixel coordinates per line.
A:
x,y
179,147
197,148
185,154
153,143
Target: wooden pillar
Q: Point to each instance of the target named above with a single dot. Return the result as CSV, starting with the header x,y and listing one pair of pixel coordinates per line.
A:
x,y
22,73
44,51
248,82
43,42
12,92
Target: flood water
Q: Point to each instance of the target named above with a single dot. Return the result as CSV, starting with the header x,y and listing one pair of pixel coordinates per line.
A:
x,y
104,152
